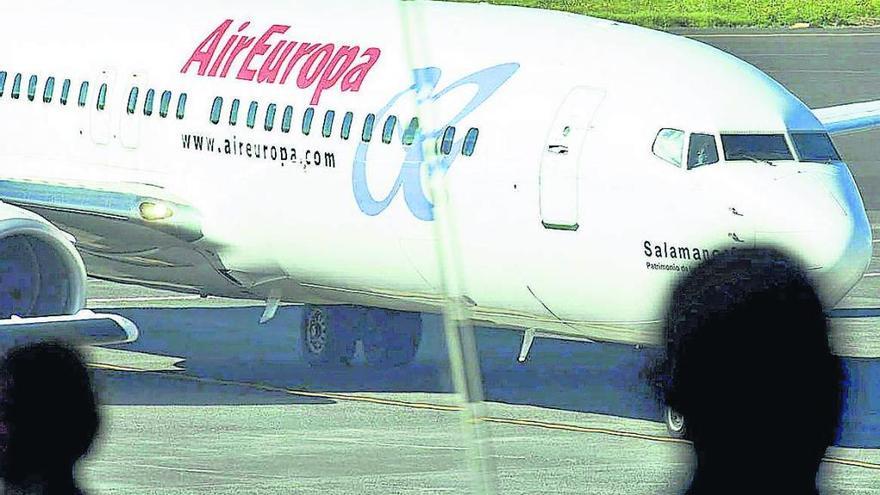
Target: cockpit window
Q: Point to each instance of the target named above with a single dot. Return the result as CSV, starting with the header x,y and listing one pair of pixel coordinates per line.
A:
x,y
702,150
669,145
755,147
814,147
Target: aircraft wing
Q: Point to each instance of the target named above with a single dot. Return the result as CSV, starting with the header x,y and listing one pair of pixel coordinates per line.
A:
x,y
126,232
854,117
83,328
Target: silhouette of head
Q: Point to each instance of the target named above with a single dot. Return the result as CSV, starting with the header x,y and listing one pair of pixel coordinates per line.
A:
x,y
748,364
48,413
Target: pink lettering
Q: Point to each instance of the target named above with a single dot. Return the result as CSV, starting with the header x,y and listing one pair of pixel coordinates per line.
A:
x,y
229,44
205,51
324,53
219,60
320,66
269,70
242,45
335,70
246,73
304,49
354,79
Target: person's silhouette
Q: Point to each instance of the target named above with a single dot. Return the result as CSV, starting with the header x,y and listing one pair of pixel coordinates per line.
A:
x,y
48,418
748,365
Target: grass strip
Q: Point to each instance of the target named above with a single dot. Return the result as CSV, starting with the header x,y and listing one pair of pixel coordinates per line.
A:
x,y
716,13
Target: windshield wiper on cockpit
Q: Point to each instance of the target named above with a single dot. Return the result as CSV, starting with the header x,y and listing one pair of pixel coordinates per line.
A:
x,y
828,160
756,160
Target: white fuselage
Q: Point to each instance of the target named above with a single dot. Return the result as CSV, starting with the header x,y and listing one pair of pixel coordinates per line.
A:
x,y
595,235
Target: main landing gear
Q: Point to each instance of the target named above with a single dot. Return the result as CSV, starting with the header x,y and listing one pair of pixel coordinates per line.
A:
x,y
330,334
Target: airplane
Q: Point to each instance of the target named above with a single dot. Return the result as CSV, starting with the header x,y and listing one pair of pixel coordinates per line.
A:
x,y
275,151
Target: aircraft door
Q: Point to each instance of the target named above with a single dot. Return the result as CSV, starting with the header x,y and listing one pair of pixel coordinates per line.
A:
x,y
100,108
558,176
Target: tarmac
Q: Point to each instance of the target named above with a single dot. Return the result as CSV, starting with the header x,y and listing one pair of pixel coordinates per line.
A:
x,y
210,401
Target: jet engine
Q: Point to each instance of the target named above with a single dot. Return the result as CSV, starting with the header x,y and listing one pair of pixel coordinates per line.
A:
x,y
41,273
43,286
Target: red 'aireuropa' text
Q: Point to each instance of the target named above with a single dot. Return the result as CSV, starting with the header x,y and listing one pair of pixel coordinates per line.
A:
x,y
269,59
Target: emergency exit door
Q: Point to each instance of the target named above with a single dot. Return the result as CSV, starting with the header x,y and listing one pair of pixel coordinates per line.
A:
x,y
560,163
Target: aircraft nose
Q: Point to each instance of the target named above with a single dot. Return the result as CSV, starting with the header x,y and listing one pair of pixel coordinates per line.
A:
x,y
820,217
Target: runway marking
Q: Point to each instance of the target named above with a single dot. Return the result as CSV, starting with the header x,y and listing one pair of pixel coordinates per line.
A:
x,y
450,408
381,444
204,471
108,300
584,429
777,35
823,71
789,55
852,462
871,275
354,398
184,470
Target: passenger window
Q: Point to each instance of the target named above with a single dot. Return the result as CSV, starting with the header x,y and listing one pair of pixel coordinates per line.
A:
x,y
132,100
369,122
216,108
49,90
346,126
83,94
65,91
164,104
287,119
148,102
409,135
388,130
2,82
181,106
702,150
448,139
307,120
470,141
270,117
32,88
102,97
233,112
16,87
252,114
328,123
669,145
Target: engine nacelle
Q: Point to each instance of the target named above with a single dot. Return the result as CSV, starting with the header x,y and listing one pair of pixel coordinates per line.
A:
x,y
41,273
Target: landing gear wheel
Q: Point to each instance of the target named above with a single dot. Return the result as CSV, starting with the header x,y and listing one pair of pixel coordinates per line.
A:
x,y
391,338
328,338
675,424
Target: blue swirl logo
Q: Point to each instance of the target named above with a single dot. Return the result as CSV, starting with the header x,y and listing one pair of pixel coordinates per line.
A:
x,y
487,81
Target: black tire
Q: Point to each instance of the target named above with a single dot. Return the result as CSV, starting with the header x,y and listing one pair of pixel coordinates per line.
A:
x,y
675,423
328,335
391,338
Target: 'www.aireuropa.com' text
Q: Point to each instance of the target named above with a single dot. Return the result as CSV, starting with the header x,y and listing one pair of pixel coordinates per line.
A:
x,y
283,155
